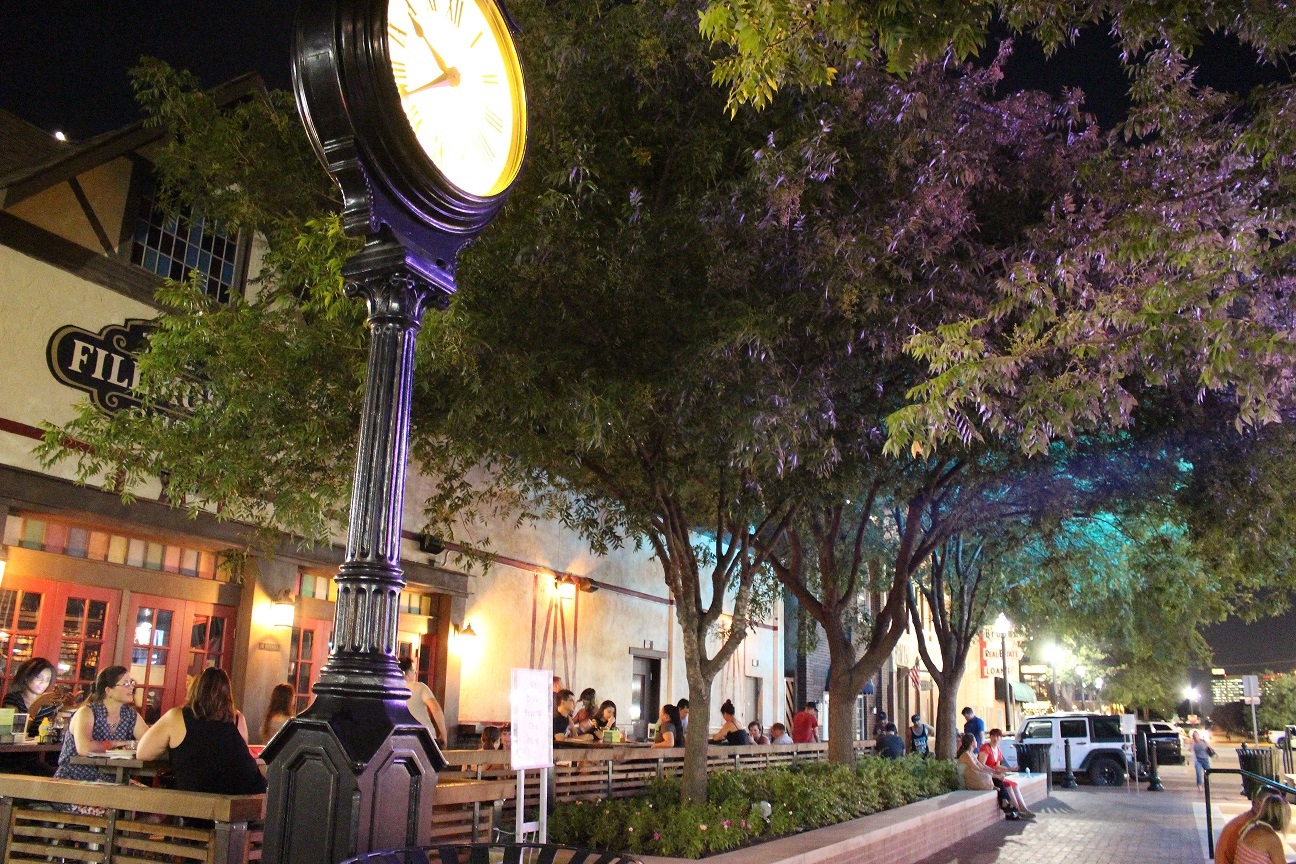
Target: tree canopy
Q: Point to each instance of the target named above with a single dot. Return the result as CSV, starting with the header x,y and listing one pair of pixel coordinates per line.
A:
x,y
695,329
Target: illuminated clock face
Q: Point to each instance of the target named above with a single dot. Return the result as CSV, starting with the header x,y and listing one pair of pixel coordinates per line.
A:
x,y
460,84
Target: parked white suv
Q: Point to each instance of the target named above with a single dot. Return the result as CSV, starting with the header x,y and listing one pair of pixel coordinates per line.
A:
x,y
1098,748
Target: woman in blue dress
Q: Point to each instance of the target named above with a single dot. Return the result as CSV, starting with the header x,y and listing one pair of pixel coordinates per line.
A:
x,y
107,720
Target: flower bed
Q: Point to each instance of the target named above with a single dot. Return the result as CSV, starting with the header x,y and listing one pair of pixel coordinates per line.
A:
x,y
798,799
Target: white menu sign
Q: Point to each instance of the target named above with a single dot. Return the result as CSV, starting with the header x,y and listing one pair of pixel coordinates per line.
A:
x,y
531,713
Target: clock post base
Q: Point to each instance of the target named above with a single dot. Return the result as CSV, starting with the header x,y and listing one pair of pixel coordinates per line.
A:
x,y
348,776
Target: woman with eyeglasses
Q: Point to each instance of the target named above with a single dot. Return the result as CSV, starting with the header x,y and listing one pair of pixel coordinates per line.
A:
x,y
106,721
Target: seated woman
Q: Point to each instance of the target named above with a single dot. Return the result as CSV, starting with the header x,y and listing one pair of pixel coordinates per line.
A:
x,y
30,693
587,714
668,728
730,732
972,772
756,734
283,707
107,720
992,758
605,721
207,739
491,739
1261,841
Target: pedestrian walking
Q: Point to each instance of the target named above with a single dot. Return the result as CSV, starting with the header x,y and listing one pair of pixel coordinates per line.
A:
x,y
1202,754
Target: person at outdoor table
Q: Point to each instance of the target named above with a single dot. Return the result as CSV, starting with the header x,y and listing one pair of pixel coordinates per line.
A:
x,y
563,731
755,734
669,733
283,701
1261,842
992,758
889,744
779,735
423,703
587,712
730,732
490,739
30,693
207,739
606,720
106,721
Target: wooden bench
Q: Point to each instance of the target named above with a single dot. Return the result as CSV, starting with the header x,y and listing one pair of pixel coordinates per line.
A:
x,y
132,825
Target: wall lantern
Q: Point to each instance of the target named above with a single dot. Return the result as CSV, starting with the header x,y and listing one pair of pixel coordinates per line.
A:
x,y
282,610
465,630
566,588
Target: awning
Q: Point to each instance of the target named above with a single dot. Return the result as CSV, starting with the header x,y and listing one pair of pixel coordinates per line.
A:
x,y
1020,692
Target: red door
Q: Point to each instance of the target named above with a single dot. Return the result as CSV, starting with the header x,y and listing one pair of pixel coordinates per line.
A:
x,y
85,633
73,626
307,654
173,641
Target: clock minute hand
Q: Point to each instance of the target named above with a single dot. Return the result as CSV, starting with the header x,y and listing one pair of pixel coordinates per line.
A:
x,y
418,31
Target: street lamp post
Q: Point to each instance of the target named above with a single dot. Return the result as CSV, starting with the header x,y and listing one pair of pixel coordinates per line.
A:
x,y
1001,627
1192,694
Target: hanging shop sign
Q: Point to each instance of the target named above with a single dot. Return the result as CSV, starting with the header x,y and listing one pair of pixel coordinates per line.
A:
x,y
101,365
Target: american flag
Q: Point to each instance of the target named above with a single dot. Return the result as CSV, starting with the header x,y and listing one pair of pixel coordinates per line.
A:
x,y
913,675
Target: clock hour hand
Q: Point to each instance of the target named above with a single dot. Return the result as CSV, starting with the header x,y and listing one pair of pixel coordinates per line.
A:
x,y
449,78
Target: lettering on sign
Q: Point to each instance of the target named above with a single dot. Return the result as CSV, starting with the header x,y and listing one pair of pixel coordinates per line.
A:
x,y
991,661
531,717
101,364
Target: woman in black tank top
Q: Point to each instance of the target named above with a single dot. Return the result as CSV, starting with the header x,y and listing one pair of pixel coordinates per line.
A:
x,y
207,739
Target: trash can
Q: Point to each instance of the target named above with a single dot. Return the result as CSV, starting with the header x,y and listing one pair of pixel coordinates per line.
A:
x,y
1257,760
1037,759
481,853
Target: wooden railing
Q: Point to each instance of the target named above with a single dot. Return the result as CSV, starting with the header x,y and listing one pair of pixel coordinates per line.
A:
x,y
140,825
125,824
594,773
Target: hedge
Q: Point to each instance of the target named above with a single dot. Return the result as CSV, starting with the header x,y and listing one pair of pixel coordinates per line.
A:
x,y
799,799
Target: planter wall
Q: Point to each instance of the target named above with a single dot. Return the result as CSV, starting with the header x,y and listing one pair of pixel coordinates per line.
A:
x,y
900,836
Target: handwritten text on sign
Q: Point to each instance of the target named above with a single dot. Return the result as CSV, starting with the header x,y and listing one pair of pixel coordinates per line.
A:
x,y
531,713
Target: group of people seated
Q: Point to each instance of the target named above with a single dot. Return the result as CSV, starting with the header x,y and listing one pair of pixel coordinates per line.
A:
x,y
983,768
206,738
584,722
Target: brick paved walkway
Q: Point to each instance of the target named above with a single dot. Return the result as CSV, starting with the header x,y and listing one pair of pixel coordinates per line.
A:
x,y
1096,826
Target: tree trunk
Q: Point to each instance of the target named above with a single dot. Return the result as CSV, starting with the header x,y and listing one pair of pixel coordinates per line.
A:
x,y
842,692
693,783
948,728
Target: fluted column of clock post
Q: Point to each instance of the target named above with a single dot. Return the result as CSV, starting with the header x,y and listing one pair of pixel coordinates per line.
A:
x,y
363,658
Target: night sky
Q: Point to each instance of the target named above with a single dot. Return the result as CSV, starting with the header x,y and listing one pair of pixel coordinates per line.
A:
x,y
64,64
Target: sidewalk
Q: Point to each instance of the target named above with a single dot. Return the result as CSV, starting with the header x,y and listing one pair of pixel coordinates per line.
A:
x,y
1089,825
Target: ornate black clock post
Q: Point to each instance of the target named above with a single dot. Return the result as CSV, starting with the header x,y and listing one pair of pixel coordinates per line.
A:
x,y
419,115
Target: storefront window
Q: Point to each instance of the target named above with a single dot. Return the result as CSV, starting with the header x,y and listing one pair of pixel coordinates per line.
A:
x,y
19,622
149,655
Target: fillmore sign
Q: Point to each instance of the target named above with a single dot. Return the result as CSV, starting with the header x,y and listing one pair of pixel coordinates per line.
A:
x,y
101,364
